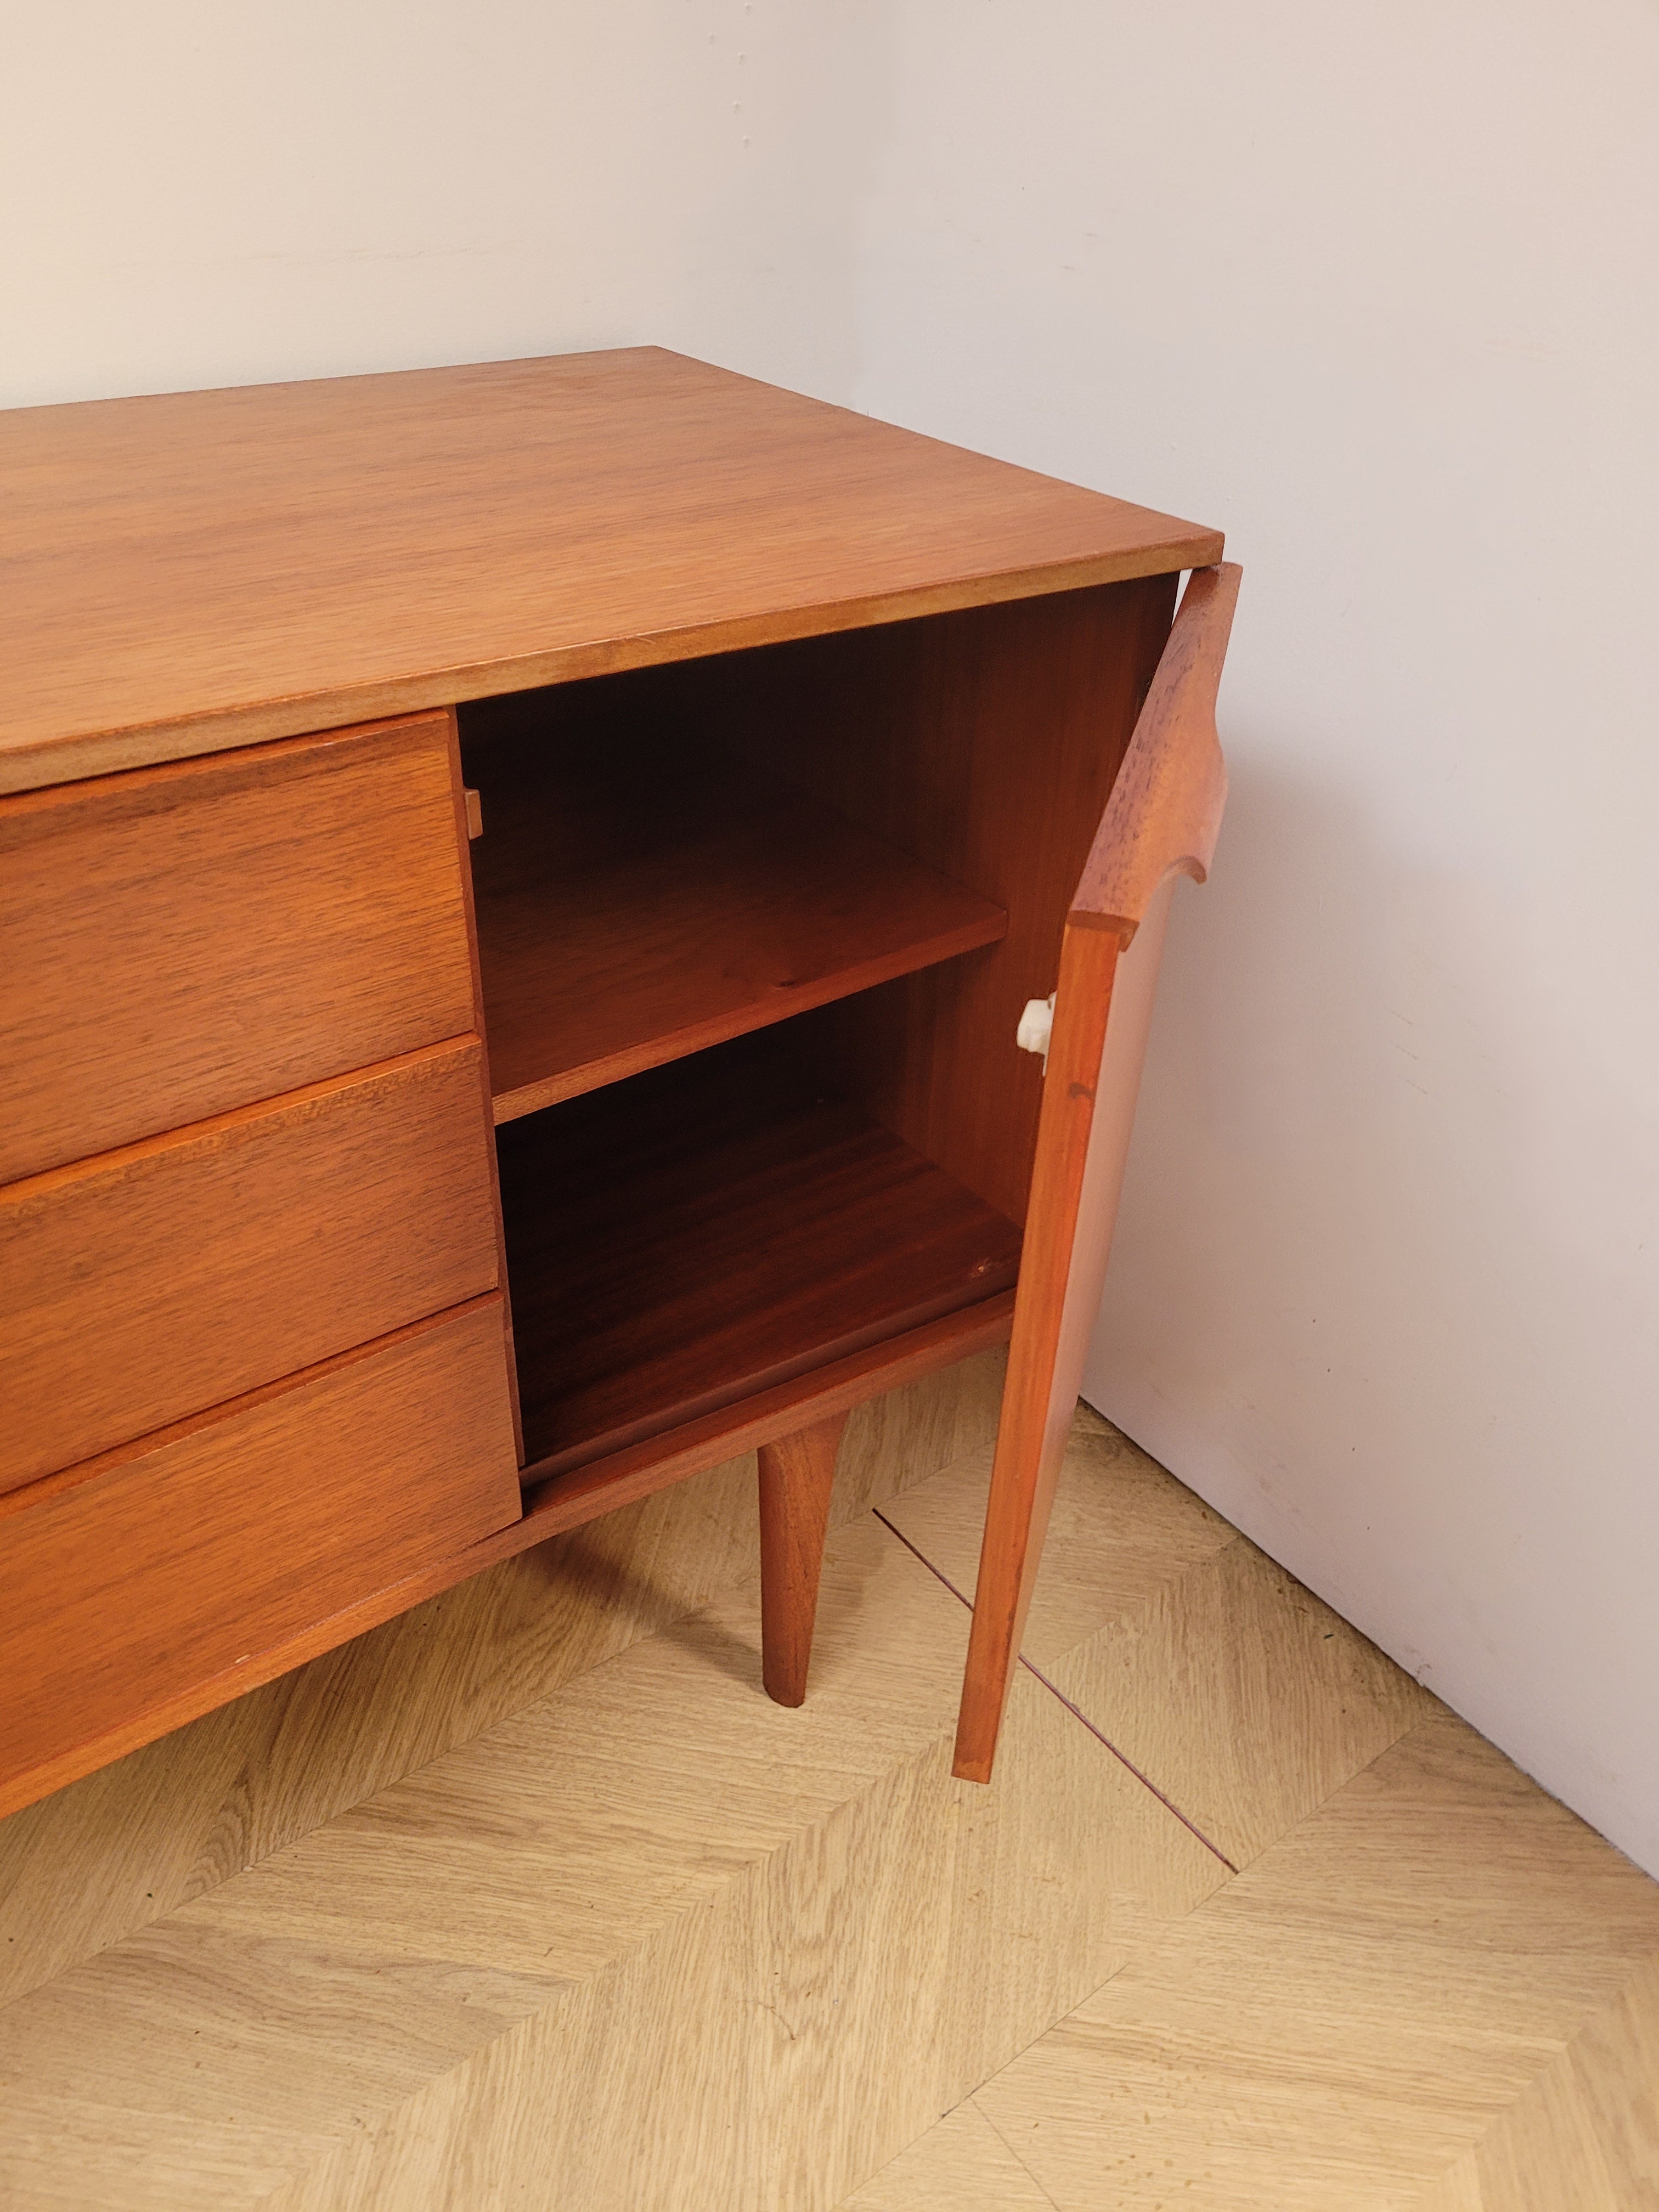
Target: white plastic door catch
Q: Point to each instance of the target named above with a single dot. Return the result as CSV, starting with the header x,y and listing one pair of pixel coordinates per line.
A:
x,y
1036,1026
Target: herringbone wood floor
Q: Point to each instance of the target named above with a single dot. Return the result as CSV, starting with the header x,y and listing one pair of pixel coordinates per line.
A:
x,y
532,1900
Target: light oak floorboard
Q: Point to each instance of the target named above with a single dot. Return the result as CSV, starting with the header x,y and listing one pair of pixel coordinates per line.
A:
x,y
633,1937
1432,1986
1122,1532
961,2165
1235,1691
1584,2133
112,1853
650,1941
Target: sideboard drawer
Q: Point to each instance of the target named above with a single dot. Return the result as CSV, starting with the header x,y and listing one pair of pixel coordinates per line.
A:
x,y
151,1585
181,940
146,1286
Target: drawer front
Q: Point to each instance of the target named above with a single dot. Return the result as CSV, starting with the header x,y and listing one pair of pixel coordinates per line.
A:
x,y
144,1286
145,1589
186,939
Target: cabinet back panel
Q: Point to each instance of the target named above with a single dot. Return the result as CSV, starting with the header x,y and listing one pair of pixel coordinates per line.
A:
x,y
985,743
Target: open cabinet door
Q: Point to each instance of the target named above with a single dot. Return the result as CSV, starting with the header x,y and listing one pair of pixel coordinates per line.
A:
x,y
1160,822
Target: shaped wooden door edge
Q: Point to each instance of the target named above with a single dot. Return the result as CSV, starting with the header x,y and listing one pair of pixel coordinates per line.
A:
x,y
1160,822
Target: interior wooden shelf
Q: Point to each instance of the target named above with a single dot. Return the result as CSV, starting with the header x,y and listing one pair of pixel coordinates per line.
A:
x,y
710,1230
640,900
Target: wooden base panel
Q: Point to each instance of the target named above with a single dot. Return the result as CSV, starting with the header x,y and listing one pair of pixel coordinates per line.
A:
x,y
565,1501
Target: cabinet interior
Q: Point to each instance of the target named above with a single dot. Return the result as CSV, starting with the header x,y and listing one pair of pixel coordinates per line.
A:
x,y
696,1234
754,934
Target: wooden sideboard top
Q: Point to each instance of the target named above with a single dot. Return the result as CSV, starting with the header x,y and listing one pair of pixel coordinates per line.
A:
x,y
203,569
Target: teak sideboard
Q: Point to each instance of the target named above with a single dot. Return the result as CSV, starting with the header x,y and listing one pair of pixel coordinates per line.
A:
x,y
517,885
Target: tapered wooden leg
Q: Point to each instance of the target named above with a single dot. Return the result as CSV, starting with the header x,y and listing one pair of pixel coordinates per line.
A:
x,y
796,1475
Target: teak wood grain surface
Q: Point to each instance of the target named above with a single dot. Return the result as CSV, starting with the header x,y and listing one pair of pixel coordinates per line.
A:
x,y
641,896
151,1587
557,1502
197,570
150,1283
187,939
795,1476
1164,813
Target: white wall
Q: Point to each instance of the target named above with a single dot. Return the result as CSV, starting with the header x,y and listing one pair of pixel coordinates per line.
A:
x,y
1372,287
212,191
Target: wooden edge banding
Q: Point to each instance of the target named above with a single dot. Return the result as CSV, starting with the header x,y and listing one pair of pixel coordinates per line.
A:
x,y
465,802
1165,808
76,756
83,782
